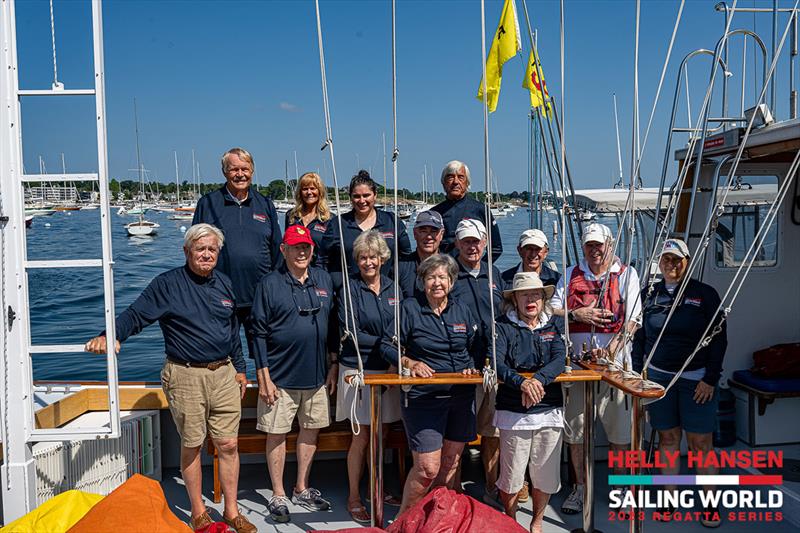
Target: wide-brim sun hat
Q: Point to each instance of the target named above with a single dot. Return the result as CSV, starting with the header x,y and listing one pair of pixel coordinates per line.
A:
x,y
526,281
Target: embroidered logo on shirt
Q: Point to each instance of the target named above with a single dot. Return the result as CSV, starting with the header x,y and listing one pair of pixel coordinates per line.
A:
x,y
227,303
459,328
322,293
548,337
387,235
320,227
392,301
260,218
697,302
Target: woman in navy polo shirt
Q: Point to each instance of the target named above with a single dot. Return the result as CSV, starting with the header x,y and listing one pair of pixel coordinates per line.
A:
x,y
362,217
436,333
691,404
310,208
373,302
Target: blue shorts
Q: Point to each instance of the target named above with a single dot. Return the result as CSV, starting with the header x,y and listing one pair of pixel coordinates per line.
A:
x,y
678,408
429,421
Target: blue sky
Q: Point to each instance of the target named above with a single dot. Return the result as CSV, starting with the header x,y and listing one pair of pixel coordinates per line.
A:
x,y
210,75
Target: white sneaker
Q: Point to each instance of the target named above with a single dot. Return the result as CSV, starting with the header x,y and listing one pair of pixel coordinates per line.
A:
x,y
574,502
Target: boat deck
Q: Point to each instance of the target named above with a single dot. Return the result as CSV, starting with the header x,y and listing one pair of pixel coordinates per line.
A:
x,y
329,477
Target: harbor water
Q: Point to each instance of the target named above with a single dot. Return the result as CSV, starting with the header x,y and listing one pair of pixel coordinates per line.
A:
x,y
66,305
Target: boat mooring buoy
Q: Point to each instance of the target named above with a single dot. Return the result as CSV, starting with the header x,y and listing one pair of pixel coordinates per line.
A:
x,y
183,229
46,224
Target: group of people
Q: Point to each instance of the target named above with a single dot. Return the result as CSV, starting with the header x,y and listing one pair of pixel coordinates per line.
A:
x,y
320,300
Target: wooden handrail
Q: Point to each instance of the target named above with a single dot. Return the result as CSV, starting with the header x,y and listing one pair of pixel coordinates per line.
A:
x,y
455,378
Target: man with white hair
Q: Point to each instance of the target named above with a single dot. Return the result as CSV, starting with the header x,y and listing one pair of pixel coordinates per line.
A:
x,y
203,377
604,310
533,248
459,206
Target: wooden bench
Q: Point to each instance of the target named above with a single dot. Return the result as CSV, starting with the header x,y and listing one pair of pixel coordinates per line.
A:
x,y
763,398
334,438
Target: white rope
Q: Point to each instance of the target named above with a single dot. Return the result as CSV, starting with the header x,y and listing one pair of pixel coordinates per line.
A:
x,y
57,85
489,374
357,380
749,259
720,206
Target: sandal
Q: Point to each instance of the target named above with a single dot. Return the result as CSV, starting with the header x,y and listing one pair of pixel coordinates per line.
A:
x,y
359,514
388,499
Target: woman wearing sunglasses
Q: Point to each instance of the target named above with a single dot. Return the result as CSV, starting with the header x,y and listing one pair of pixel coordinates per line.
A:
x,y
689,406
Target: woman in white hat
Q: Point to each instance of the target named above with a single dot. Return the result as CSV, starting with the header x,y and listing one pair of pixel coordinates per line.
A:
x,y
530,413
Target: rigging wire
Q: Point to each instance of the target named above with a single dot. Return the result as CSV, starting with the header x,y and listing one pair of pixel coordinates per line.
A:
x,y
395,155
57,85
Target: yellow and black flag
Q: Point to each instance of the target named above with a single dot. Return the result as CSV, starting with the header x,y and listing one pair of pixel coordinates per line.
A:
x,y
505,45
538,90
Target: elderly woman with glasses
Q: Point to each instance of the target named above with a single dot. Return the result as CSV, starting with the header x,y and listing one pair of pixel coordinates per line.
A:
x,y
529,410
436,333
369,311
690,405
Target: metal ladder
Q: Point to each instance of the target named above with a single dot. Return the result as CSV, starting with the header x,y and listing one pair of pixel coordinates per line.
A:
x,y
18,427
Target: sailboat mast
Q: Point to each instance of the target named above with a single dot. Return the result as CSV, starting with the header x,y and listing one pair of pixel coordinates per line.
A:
x,y
177,180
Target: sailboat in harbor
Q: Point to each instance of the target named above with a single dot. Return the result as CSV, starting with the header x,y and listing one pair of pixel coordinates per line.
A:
x,y
141,227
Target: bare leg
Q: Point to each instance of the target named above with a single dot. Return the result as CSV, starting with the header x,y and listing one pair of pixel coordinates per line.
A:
x,y
669,440
702,442
426,467
540,500
576,460
617,448
306,447
192,472
276,458
355,465
510,502
450,459
490,455
229,473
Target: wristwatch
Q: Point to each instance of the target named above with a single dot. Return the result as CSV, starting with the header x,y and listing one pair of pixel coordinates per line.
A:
x,y
571,316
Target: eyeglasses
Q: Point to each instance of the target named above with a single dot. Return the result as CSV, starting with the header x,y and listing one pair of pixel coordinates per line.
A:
x,y
315,304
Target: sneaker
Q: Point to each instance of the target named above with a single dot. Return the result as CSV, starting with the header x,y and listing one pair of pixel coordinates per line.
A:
x,y
201,522
240,524
493,499
574,502
524,493
278,508
711,517
311,499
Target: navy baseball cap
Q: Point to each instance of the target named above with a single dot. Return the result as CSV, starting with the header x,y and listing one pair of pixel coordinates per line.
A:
x,y
429,218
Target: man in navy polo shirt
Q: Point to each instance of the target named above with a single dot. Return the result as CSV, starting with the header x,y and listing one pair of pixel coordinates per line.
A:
x,y
250,224
204,375
292,332
533,248
459,206
428,233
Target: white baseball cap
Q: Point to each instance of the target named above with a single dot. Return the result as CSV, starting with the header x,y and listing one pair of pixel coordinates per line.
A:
x,y
470,227
675,247
596,233
533,236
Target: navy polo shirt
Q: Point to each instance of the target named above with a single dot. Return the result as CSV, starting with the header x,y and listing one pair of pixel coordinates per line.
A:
x,y
683,332
197,316
546,274
291,325
374,316
410,285
541,351
454,212
330,251
316,228
474,293
441,342
252,237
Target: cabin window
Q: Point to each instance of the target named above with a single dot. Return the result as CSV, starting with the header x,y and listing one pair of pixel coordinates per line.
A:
x,y
745,215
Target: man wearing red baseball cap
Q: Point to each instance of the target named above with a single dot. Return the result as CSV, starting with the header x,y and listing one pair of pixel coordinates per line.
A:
x,y
292,324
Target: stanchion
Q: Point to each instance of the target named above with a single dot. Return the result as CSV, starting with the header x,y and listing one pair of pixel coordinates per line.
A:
x,y
376,456
588,460
636,524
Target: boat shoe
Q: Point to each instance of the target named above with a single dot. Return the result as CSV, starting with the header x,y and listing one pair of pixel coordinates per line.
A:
x,y
240,524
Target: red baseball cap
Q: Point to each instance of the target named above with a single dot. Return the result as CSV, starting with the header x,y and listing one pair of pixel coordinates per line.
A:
x,y
297,234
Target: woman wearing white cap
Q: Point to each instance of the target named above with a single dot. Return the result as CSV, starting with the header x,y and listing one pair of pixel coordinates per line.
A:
x,y
530,413
691,404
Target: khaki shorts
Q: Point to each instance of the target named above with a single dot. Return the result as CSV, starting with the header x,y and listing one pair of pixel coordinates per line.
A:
x,y
611,409
539,450
202,400
311,406
390,400
485,405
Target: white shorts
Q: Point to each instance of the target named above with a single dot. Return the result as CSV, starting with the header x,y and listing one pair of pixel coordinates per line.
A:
x,y
390,400
611,410
539,450
485,407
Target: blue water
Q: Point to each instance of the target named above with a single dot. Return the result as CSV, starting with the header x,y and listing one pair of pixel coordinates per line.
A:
x,y
66,305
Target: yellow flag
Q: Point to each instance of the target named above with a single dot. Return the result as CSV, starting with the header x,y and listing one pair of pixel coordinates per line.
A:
x,y
505,45
531,82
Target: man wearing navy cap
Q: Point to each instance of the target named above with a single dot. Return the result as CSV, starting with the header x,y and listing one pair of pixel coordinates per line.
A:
x,y
292,332
250,224
428,233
